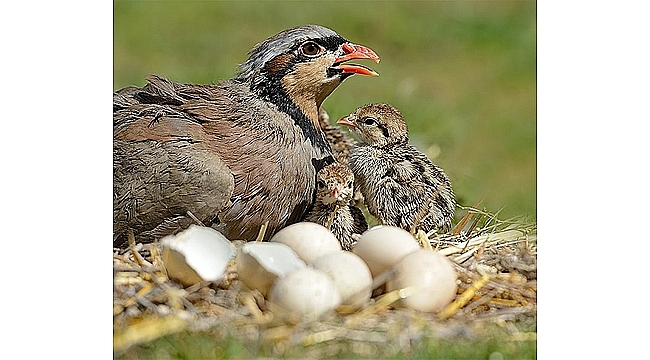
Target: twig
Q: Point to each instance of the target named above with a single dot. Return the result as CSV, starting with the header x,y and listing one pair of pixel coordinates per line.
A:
x,y
470,213
423,239
331,218
464,298
196,220
382,303
262,233
136,255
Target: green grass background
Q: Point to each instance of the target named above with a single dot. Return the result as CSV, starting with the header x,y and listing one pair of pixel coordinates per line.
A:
x,y
463,73
185,345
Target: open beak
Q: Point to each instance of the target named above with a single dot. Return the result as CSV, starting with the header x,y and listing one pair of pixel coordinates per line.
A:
x,y
345,121
356,52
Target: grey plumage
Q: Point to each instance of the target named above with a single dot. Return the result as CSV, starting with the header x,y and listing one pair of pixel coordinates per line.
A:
x,y
400,185
332,207
232,155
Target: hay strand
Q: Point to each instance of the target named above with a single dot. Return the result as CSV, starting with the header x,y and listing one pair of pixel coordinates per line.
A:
x,y
495,260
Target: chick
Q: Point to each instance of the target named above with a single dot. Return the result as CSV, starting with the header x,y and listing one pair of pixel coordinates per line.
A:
x,y
400,185
332,208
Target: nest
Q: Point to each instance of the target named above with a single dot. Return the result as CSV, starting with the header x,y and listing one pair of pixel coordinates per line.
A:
x,y
496,262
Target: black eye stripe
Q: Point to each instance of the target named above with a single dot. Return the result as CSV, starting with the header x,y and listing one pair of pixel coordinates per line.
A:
x,y
384,130
330,43
372,121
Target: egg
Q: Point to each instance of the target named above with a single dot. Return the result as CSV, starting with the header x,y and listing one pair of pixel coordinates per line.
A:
x,y
306,292
309,240
197,254
431,280
382,246
259,264
350,274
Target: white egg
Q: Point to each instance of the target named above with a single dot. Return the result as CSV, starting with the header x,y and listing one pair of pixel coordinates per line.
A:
x,y
350,274
259,264
381,247
309,240
431,280
306,292
197,254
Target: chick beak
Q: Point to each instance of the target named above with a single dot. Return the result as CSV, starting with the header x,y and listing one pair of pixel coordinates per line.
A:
x,y
346,121
356,52
335,193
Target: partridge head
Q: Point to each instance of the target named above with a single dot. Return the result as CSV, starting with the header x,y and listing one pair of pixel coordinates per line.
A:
x,y
378,125
305,63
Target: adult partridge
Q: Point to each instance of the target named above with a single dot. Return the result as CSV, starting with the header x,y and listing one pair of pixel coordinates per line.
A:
x,y
232,155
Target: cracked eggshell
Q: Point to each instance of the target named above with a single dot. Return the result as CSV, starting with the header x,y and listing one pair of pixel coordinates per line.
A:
x,y
382,246
309,240
259,264
306,292
197,254
431,277
350,274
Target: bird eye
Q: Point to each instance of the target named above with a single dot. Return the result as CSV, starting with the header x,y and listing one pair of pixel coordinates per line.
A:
x,y
310,48
321,184
369,121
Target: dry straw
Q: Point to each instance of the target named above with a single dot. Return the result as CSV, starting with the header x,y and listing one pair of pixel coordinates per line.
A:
x,y
496,262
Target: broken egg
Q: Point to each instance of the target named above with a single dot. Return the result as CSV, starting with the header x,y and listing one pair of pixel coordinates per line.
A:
x,y
197,254
309,240
306,292
350,274
431,280
259,264
382,246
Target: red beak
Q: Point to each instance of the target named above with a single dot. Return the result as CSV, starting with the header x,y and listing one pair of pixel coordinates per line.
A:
x,y
346,122
356,52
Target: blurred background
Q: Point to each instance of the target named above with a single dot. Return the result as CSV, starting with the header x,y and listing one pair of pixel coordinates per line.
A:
x,y
463,73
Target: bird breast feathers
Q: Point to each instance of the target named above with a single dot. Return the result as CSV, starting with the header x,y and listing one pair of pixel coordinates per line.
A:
x,y
404,164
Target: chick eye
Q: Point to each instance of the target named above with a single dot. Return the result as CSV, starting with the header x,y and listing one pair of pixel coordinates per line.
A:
x,y
310,48
369,121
